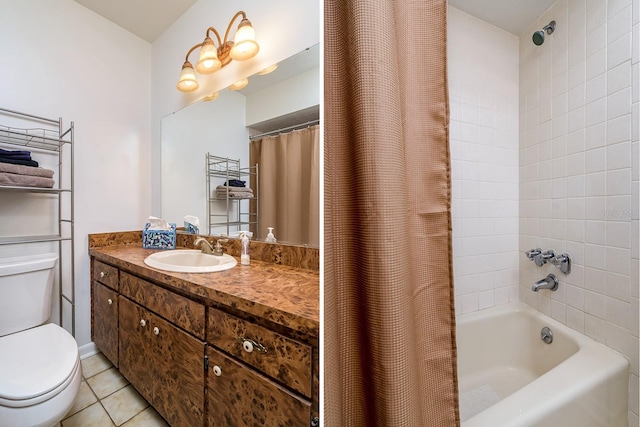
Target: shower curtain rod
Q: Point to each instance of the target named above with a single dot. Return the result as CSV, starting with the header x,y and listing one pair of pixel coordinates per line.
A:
x,y
294,127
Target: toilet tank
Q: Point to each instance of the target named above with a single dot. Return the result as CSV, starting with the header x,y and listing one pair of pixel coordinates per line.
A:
x,y
26,285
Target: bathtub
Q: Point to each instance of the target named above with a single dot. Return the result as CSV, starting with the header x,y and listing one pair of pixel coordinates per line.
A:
x,y
509,377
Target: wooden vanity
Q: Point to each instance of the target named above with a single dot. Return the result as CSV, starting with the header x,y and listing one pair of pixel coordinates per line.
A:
x,y
231,348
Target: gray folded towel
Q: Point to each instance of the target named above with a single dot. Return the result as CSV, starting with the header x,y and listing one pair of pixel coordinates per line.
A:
x,y
17,180
25,170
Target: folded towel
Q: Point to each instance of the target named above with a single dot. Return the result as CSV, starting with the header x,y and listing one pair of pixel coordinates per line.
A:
x,y
25,170
13,161
25,180
235,183
224,188
235,195
15,154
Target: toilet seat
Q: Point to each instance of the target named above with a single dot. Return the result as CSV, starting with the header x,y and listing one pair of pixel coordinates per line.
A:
x,y
36,365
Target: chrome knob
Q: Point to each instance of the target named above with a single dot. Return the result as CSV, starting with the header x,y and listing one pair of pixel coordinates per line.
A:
x,y
156,330
110,301
217,371
143,323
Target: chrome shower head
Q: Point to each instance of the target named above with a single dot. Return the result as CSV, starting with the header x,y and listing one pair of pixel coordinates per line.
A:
x,y
538,36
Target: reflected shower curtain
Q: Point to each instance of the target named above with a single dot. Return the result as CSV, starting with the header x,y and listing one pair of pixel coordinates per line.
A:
x,y
289,185
389,321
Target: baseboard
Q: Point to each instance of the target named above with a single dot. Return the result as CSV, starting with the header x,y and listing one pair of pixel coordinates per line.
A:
x,y
88,350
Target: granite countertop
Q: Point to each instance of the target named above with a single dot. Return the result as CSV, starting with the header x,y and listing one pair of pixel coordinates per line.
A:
x,y
284,295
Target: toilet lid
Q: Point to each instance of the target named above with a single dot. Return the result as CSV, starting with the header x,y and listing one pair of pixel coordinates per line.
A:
x,y
35,361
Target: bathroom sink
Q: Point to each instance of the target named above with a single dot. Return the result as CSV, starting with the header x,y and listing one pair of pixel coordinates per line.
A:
x,y
189,261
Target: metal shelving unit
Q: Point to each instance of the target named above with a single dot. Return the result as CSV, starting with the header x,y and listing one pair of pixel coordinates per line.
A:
x,y
49,136
238,212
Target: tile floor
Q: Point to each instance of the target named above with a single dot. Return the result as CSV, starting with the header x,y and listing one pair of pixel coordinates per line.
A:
x,y
106,399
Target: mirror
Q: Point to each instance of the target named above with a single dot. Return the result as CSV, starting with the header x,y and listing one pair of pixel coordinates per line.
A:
x,y
284,99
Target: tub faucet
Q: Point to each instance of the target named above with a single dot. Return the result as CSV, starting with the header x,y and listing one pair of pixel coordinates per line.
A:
x,y
549,282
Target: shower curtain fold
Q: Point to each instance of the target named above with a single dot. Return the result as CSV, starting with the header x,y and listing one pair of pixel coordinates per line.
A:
x,y
389,321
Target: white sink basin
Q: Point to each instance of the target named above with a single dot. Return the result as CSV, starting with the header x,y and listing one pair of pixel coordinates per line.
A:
x,y
189,261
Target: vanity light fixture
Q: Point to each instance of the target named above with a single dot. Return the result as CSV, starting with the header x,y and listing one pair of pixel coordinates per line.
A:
x,y
239,84
269,69
212,57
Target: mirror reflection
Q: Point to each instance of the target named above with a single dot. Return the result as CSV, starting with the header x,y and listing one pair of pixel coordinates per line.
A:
x,y
269,127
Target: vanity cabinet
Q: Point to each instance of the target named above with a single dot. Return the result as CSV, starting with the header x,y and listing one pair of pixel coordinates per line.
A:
x,y
199,363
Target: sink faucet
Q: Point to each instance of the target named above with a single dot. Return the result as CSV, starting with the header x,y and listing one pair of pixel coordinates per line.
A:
x,y
207,248
549,282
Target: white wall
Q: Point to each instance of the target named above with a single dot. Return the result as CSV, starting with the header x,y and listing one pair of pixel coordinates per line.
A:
x,y
576,140
483,90
283,28
302,91
61,60
216,127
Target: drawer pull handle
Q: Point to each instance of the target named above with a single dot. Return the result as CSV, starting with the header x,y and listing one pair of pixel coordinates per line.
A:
x,y
156,330
103,274
110,301
250,345
217,371
143,323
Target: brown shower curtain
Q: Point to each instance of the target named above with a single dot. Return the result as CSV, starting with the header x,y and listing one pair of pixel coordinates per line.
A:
x,y
289,185
389,321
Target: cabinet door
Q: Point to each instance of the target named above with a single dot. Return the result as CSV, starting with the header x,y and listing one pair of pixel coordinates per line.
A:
x,y
136,347
178,393
105,321
239,396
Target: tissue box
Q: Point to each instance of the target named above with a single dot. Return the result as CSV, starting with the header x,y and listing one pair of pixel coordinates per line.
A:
x,y
190,228
159,239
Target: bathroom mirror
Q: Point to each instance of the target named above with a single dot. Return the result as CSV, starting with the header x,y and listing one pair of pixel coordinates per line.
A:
x,y
281,100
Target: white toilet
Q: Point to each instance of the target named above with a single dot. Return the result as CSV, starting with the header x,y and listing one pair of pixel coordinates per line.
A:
x,y
40,369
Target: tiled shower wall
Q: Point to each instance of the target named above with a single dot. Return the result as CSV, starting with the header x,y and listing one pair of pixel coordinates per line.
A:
x,y
483,90
578,137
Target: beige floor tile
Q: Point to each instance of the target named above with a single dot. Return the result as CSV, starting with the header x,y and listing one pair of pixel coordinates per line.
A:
x,y
94,416
84,398
147,418
94,365
124,404
107,382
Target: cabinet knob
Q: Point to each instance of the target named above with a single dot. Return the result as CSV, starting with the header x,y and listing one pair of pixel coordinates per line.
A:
x,y
110,301
143,323
156,330
103,274
217,370
250,345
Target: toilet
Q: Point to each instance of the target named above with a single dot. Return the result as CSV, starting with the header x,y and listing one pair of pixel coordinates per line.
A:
x,y
40,369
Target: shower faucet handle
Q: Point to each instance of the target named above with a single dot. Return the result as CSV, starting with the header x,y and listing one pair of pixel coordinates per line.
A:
x,y
563,262
532,253
542,258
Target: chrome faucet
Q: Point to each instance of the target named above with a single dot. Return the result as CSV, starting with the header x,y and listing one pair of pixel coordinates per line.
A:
x,y
216,249
541,258
549,282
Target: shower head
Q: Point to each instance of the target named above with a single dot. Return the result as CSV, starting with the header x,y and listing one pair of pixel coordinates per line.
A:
x,y
538,36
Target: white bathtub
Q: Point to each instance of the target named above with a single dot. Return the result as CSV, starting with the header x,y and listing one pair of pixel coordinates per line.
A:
x,y
509,377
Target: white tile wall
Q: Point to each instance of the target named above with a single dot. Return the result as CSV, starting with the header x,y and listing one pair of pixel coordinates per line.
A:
x,y
594,120
483,82
575,104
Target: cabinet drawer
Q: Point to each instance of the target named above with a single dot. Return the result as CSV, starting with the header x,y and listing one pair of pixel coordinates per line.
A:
x,y
187,314
238,396
105,274
286,360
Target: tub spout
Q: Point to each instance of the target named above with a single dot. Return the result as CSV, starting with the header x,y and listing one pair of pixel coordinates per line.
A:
x,y
549,282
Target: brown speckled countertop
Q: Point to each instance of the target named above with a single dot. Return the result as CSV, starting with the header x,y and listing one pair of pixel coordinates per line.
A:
x,y
281,294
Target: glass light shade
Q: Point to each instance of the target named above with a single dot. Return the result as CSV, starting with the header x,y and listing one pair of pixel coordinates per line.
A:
x,y
269,69
244,42
187,82
208,61
239,84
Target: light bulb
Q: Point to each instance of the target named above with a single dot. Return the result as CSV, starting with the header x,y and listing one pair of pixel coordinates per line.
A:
x,y
208,61
244,42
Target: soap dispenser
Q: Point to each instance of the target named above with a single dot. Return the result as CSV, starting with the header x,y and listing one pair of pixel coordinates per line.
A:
x,y
244,254
270,237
